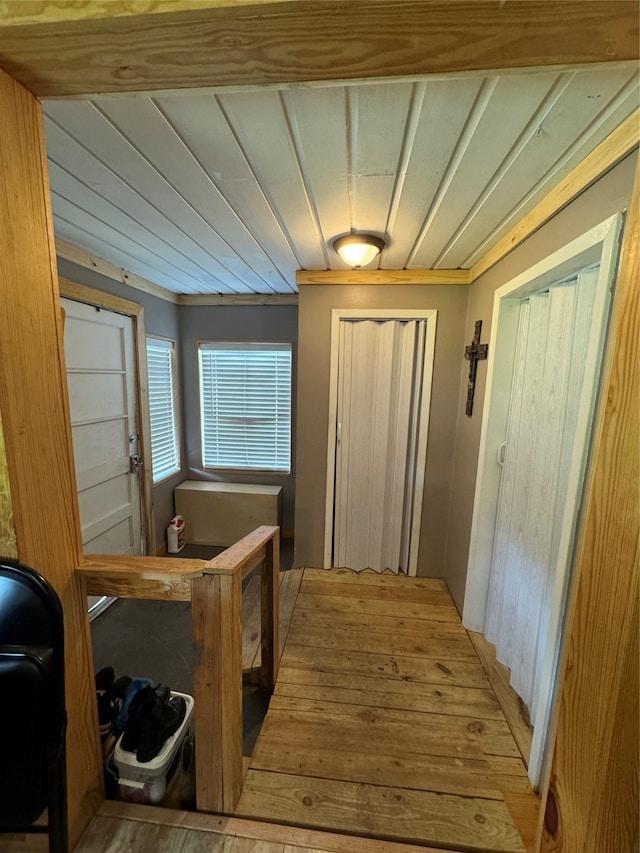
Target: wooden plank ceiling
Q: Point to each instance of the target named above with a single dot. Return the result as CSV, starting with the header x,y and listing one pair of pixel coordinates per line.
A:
x,y
230,192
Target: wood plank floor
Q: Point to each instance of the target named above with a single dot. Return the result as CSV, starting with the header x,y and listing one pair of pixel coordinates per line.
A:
x,y
383,723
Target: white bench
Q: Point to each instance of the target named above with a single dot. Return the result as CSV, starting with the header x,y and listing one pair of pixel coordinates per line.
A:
x,y
222,513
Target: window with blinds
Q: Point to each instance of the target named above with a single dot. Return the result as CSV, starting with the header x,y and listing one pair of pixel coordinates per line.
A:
x,y
245,405
161,369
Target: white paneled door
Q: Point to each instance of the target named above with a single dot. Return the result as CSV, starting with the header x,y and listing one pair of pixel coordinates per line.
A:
x,y
101,376
382,387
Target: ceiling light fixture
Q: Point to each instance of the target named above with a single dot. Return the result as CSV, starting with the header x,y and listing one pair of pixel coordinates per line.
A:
x,y
358,250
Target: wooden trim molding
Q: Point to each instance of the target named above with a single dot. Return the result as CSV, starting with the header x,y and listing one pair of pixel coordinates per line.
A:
x,y
248,299
144,441
86,260
621,142
239,43
93,296
389,277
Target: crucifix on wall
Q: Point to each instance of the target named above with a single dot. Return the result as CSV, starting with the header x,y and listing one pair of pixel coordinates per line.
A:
x,y
475,352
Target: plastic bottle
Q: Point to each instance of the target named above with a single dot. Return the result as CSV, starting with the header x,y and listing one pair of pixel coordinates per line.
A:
x,y
172,539
175,535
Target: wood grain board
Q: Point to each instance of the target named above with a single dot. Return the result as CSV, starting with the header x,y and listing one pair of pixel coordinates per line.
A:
x,y
385,812
384,724
396,667
230,43
7,530
230,834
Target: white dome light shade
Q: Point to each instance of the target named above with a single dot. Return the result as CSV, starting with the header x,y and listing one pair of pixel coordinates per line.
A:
x,y
358,250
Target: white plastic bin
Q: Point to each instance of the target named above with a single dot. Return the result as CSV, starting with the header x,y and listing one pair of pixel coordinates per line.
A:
x,y
148,782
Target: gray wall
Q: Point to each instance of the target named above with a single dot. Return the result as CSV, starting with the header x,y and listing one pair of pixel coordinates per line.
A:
x,y
316,303
609,195
233,323
160,318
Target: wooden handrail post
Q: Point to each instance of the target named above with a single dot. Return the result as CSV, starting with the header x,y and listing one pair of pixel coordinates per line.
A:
x,y
217,632
215,590
270,613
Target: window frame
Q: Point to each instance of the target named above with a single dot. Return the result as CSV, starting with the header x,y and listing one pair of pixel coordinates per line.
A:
x,y
172,346
244,470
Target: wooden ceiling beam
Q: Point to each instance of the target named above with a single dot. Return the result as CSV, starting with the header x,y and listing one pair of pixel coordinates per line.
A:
x,y
304,277
79,48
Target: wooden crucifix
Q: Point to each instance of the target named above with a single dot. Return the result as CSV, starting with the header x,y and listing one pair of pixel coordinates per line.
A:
x,y
474,352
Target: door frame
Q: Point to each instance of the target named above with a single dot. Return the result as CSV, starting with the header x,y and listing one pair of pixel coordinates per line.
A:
x,y
600,244
430,315
99,299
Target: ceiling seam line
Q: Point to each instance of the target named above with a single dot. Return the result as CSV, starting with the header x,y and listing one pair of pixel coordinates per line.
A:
x,y
297,147
560,162
268,201
553,95
351,125
133,190
418,95
187,204
230,207
480,103
135,221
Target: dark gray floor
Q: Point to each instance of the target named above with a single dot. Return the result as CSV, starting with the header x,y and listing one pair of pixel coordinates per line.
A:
x,y
152,639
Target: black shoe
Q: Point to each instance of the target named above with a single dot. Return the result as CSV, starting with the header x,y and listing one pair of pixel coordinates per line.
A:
x,y
162,692
105,678
131,734
158,721
108,707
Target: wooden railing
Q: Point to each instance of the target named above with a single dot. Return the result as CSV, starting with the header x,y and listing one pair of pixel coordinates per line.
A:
x,y
214,588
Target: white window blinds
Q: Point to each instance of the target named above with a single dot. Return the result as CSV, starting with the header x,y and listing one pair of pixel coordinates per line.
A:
x,y
245,405
165,452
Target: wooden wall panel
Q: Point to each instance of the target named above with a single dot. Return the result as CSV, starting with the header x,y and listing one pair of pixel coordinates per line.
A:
x,y
35,417
240,43
593,793
7,530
